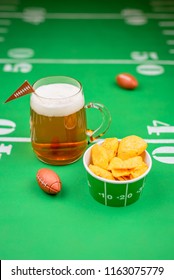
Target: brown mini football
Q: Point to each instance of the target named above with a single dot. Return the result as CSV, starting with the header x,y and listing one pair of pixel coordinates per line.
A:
x,y
48,181
126,81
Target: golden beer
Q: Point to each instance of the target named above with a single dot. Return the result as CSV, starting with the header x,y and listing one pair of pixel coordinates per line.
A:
x,y
58,120
59,140
58,123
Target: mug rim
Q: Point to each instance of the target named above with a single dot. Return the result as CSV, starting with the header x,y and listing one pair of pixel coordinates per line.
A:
x,y
80,89
112,181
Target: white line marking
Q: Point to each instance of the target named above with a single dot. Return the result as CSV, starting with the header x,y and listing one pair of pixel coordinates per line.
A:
x,y
125,201
169,160
15,139
7,8
11,15
71,61
103,16
106,16
143,186
166,23
160,16
160,141
5,22
85,16
2,39
28,139
85,61
105,193
168,32
163,9
170,42
171,51
162,2
3,30
10,2
67,15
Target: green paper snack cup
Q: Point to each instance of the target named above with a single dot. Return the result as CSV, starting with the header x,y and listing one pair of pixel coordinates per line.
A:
x,y
115,193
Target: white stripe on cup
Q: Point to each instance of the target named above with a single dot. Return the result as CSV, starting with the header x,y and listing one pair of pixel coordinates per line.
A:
x,y
143,185
125,201
105,192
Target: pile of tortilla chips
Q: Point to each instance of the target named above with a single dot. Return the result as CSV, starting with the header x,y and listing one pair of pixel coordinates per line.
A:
x,y
114,160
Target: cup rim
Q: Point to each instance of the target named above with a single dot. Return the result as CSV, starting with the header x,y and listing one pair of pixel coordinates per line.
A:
x,y
111,181
80,89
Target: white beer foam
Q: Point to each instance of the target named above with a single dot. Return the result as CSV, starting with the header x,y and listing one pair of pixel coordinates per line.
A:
x,y
57,100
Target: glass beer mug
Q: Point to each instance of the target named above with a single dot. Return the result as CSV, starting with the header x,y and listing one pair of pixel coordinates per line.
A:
x,y
59,134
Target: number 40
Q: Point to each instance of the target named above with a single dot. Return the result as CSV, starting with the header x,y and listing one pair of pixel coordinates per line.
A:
x,y
163,154
160,127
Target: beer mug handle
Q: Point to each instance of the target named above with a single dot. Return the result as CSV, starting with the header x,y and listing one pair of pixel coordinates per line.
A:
x,y
106,120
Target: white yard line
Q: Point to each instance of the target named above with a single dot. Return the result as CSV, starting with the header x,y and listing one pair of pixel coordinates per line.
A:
x,y
160,141
28,139
5,22
162,2
70,61
85,61
170,42
9,2
159,16
3,30
163,9
7,7
15,139
85,16
166,23
168,32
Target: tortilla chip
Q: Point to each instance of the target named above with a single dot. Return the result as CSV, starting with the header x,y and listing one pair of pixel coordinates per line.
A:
x,y
111,146
139,170
101,172
99,156
120,172
131,146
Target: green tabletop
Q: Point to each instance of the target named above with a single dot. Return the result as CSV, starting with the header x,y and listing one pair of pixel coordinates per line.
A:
x,y
92,41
